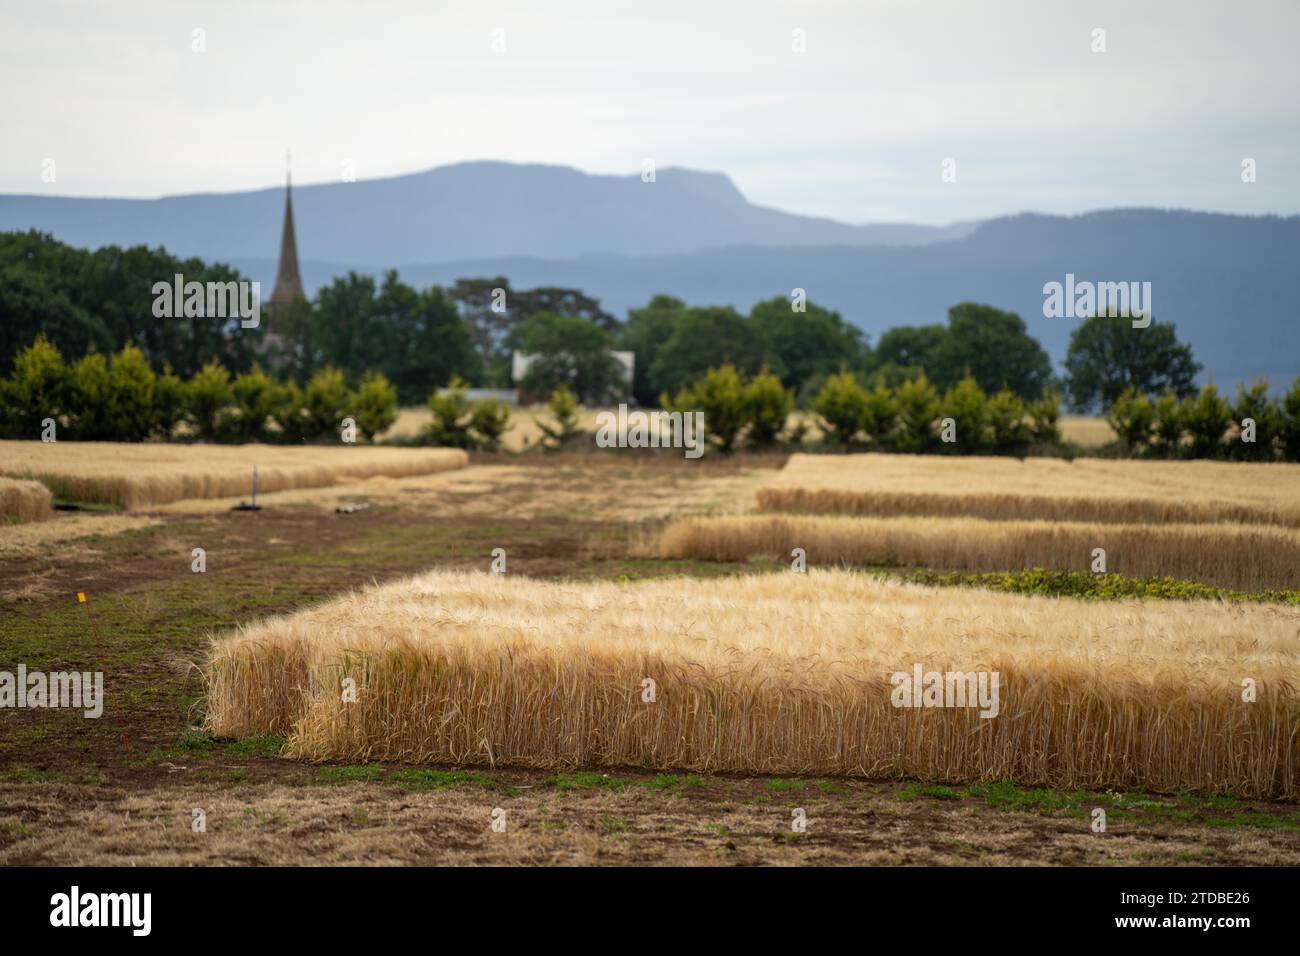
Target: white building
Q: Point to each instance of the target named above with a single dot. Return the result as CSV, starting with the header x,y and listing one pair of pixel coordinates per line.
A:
x,y
508,396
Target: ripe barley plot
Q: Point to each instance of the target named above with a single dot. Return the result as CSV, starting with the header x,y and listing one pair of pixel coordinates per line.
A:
x,y
138,475
24,501
1052,489
1242,557
773,674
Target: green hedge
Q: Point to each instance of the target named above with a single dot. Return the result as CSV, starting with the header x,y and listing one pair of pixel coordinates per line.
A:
x,y
119,398
1207,425
915,417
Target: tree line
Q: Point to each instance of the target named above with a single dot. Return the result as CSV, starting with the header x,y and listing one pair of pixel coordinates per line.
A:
x,y
120,398
914,416
419,340
1251,427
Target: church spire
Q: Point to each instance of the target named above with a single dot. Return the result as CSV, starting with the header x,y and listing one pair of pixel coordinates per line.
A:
x,y
288,283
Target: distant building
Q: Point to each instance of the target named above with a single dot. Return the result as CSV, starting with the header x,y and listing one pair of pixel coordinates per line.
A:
x,y
288,283
507,396
520,361
288,293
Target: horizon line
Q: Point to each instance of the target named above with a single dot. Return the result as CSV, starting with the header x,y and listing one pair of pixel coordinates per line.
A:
x,y
665,169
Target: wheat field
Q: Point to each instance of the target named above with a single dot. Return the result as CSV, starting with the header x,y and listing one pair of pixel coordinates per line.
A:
x,y
1052,489
521,433
24,500
138,475
1086,431
772,674
1242,557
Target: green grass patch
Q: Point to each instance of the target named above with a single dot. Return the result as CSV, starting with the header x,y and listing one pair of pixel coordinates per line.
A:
x,y
1095,587
360,774
442,779
1208,810
27,775
197,742
1004,795
1253,820
587,781
933,792
672,782
612,825
256,747
663,783
192,744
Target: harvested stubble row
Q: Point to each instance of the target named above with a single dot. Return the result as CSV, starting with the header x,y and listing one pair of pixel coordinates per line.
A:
x,y
24,500
138,475
1240,557
773,674
1050,489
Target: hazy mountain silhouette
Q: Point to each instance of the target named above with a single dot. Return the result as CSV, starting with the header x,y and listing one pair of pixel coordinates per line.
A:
x,y
1227,282
469,210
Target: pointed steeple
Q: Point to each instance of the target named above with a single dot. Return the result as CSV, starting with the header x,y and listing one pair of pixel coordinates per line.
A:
x,y
288,283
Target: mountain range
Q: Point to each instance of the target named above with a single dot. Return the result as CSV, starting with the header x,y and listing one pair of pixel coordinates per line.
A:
x,y
1227,282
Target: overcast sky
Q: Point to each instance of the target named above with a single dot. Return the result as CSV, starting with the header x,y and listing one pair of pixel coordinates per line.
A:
x,y
856,127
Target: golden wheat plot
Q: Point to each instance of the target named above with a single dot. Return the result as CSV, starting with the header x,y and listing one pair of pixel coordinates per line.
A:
x,y
24,500
1086,431
138,475
774,674
523,430
1244,557
1037,488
